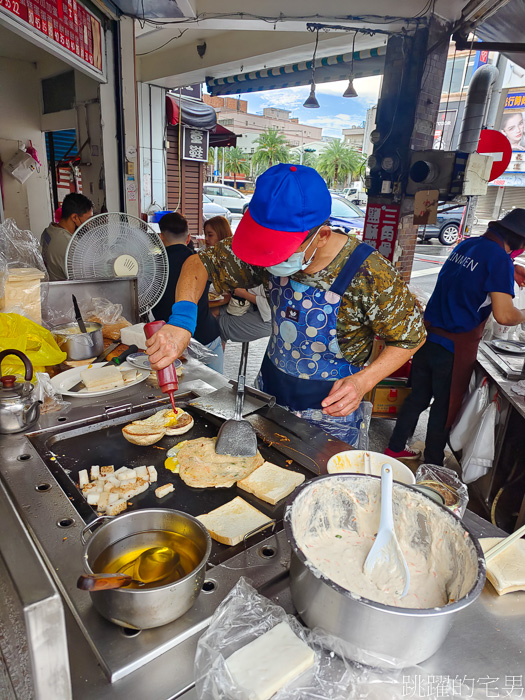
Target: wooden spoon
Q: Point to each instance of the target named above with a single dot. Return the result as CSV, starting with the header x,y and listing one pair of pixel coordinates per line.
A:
x,y
102,582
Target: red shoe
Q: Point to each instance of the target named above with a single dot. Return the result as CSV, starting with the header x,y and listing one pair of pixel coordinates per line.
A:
x,y
404,454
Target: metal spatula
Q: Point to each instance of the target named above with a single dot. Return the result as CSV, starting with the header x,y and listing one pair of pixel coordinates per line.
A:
x,y
236,436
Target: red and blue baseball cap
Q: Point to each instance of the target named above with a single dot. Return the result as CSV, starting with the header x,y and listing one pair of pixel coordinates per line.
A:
x,y
289,200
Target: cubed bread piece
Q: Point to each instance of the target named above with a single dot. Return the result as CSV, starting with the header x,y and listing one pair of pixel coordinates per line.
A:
x,y
93,498
162,491
95,472
117,507
113,497
229,523
142,473
103,501
271,483
152,473
105,471
83,478
89,487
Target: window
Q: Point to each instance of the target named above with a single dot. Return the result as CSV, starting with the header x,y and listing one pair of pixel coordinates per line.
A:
x,y
230,192
212,191
226,122
345,210
457,74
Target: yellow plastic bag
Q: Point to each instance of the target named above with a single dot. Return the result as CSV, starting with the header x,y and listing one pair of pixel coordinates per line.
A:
x,y
19,333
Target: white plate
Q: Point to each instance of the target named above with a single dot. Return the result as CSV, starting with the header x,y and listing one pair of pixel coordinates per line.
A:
x,y
141,360
64,381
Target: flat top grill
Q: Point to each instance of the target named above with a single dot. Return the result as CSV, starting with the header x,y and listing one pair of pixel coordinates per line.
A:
x,y
73,449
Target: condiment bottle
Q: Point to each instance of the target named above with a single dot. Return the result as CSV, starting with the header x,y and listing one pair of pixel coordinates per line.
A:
x,y
167,377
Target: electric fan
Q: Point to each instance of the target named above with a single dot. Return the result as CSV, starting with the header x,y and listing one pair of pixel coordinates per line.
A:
x,y
119,245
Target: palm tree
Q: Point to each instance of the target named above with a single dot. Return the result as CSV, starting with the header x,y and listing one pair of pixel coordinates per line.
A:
x,y
272,148
338,161
309,158
237,161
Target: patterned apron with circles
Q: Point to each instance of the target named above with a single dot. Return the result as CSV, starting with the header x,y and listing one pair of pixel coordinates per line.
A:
x,y
303,356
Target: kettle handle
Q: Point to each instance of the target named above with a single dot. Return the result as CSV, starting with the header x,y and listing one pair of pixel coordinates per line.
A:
x,y
25,359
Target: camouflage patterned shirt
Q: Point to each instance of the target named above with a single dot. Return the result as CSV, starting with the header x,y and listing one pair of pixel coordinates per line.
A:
x,y
377,302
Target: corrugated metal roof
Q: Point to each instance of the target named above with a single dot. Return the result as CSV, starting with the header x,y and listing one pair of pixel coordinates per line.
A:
x,y
64,142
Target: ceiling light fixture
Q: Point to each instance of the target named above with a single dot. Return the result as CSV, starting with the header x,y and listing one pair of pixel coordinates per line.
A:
x,y
311,101
350,89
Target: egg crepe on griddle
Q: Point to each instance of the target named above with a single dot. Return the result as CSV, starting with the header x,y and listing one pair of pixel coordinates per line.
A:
x,y
201,467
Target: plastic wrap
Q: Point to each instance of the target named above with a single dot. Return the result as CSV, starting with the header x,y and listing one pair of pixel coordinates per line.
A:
x,y
447,483
22,269
420,295
198,351
19,333
469,416
46,393
245,615
352,429
105,312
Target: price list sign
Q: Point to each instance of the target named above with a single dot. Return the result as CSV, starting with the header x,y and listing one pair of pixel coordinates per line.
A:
x,y
380,230
67,23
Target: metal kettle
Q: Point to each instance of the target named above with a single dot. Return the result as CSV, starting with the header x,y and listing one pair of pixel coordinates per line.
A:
x,y
18,407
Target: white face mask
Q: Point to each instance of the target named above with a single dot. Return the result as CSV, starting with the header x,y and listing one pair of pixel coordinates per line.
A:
x,y
294,263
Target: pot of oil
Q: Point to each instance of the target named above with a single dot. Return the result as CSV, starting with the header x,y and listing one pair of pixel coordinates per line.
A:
x,y
122,540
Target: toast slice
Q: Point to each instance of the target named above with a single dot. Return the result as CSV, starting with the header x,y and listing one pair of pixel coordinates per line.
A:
x,y
102,378
229,523
271,483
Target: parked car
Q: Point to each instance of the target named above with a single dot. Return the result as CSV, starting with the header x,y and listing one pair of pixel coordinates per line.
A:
x,y
446,229
210,209
226,196
346,215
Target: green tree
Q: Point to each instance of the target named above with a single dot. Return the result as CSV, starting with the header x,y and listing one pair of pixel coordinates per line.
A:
x,y
309,159
236,161
338,162
272,148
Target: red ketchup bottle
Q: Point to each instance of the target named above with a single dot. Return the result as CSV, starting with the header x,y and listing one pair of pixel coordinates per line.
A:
x,y
167,377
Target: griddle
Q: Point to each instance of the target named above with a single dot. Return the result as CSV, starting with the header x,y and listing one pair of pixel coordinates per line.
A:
x,y
68,450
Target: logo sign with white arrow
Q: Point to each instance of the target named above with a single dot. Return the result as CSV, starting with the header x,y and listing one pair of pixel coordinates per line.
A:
x,y
497,145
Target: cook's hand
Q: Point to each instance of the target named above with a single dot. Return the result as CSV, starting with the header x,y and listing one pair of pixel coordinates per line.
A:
x,y
166,345
344,397
519,275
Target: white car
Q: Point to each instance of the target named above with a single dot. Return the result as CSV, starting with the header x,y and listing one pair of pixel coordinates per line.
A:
x,y
226,196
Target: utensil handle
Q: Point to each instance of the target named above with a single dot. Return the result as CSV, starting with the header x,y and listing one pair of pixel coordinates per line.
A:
x,y
78,315
497,549
123,355
102,582
387,518
239,398
90,526
25,359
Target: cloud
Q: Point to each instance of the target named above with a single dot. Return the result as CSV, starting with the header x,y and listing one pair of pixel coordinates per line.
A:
x,y
287,98
366,88
332,124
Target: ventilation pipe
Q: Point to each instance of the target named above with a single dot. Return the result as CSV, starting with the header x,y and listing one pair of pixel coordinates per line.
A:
x,y
476,107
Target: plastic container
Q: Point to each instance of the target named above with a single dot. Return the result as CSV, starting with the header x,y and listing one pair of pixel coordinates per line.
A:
x,y
157,215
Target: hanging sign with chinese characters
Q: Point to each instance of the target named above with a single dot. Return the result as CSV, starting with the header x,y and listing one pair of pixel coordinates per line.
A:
x,y
195,144
380,230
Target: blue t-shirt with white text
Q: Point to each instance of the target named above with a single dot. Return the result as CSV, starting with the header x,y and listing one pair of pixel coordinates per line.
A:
x,y
461,298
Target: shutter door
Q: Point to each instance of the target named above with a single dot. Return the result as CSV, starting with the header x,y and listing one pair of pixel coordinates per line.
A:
x,y
486,204
192,174
513,197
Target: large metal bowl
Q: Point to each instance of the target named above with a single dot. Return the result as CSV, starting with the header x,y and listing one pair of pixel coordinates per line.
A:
x,y
79,346
366,631
146,608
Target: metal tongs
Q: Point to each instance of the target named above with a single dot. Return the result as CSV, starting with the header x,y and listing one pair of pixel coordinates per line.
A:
x,y
236,436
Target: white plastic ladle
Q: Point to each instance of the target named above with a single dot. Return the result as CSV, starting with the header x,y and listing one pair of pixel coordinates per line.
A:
x,y
385,564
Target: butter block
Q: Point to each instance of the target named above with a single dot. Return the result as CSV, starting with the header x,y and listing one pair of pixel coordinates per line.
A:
x,y
264,666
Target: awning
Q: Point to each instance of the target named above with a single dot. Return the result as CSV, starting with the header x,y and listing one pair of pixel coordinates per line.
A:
x,y
193,113
221,136
366,63
507,25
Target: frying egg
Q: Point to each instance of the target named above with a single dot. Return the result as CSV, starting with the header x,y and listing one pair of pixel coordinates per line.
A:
x,y
172,462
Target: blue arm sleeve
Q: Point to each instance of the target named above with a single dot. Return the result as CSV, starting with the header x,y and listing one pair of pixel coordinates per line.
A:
x,y
184,315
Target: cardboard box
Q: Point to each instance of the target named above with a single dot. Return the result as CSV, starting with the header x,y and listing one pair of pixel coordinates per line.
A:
x,y
388,397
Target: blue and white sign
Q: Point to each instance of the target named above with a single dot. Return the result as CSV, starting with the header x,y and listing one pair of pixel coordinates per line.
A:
x,y
216,173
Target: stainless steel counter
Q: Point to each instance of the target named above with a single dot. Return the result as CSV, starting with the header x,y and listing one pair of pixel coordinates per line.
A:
x,y
487,641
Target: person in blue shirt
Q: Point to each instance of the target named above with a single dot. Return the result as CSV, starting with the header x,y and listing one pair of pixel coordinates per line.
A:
x,y
477,278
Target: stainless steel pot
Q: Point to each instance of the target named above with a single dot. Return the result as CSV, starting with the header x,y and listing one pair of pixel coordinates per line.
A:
x,y
18,407
146,608
79,346
370,632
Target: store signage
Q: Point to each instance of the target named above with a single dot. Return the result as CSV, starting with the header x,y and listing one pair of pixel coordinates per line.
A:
x,y
66,23
494,143
381,224
444,130
481,59
195,144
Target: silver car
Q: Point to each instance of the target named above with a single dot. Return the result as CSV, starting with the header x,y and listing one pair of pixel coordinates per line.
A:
x,y
210,209
226,196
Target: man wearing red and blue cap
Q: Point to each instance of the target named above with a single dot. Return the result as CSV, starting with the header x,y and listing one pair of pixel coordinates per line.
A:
x,y
329,294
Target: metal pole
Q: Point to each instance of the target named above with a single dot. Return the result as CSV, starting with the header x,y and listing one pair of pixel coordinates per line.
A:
x,y
216,164
222,180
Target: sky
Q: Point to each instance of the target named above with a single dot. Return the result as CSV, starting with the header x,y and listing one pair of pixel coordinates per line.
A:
x,y
335,113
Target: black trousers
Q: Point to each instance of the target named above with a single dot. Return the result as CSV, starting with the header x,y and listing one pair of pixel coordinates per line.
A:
x,y
430,377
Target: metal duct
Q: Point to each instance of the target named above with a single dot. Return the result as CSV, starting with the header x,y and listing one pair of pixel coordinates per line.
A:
x,y
475,108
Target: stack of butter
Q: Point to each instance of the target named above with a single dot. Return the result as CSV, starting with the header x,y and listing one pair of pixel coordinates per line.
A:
x,y
102,378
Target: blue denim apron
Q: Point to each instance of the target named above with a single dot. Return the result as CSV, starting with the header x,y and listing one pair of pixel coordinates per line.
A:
x,y
303,356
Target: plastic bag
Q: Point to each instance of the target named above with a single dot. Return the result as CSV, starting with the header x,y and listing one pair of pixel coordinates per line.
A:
x,y
198,351
245,615
420,295
447,483
105,312
19,333
478,454
22,269
46,393
352,429
469,416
